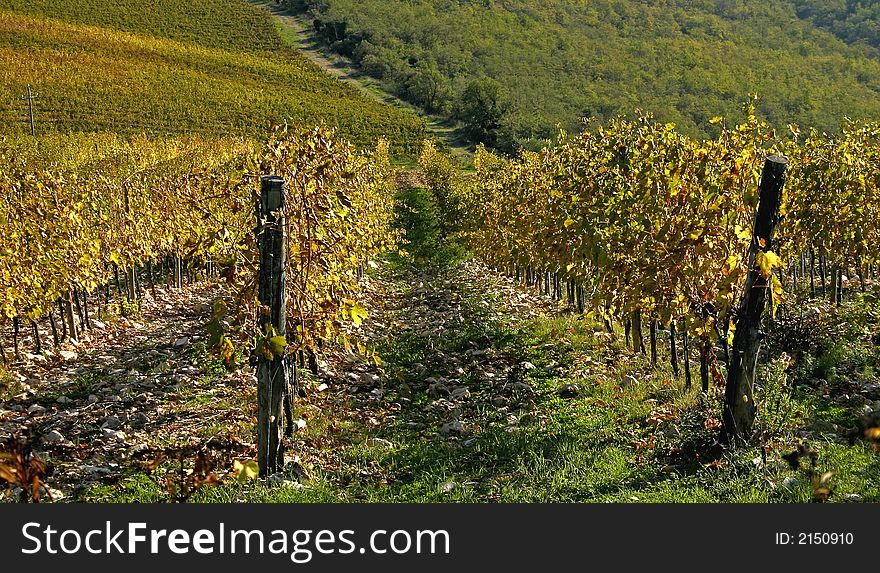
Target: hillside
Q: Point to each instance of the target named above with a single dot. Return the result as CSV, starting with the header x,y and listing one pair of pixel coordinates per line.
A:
x,y
853,21
514,69
215,67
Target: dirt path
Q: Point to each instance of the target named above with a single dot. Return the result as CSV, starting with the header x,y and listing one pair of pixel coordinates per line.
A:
x,y
127,387
296,30
130,387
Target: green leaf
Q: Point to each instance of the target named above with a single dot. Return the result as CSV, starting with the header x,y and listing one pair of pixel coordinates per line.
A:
x,y
277,344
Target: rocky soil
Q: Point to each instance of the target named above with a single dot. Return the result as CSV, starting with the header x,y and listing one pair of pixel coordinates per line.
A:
x,y
127,386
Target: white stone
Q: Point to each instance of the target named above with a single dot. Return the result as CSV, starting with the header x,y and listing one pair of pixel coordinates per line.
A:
x,y
53,437
447,487
461,394
452,427
113,434
379,442
790,482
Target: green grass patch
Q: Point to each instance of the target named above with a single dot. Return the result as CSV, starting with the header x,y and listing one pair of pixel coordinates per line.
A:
x,y
79,388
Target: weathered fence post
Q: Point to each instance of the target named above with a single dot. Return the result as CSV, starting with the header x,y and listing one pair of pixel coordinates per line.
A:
x,y
740,407
271,372
72,328
638,344
686,353
673,349
178,272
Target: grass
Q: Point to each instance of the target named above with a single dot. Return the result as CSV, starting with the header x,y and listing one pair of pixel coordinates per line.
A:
x,y
79,388
125,69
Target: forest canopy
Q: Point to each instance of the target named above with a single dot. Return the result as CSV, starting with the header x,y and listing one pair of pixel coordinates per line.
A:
x,y
556,62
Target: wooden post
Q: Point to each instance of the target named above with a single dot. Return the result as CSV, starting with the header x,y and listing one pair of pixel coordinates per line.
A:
x,y
63,321
673,350
116,278
38,342
638,344
653,330
152,278
79,309
686,355
131,283
85,307
705,350
812,274
16,322
272,375
30,97
72,329
740,407
55,339
833,282
839,300
178,272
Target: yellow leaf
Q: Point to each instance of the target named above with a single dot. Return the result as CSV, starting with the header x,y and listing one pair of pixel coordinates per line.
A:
x,y
767,261
245,471
226,350
732,262
358,314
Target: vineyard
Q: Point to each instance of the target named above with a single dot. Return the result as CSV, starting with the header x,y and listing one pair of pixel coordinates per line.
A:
x,y
217,76
78,211
618,260
217,283
637,221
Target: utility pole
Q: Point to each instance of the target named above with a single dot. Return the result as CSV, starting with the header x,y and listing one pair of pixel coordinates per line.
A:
x,y
30,97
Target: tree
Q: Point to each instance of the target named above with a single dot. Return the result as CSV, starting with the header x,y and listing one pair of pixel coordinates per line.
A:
x,y
427,87
482,106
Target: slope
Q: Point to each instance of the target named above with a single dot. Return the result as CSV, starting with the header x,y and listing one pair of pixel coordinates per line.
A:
x,y
558,60
218,67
